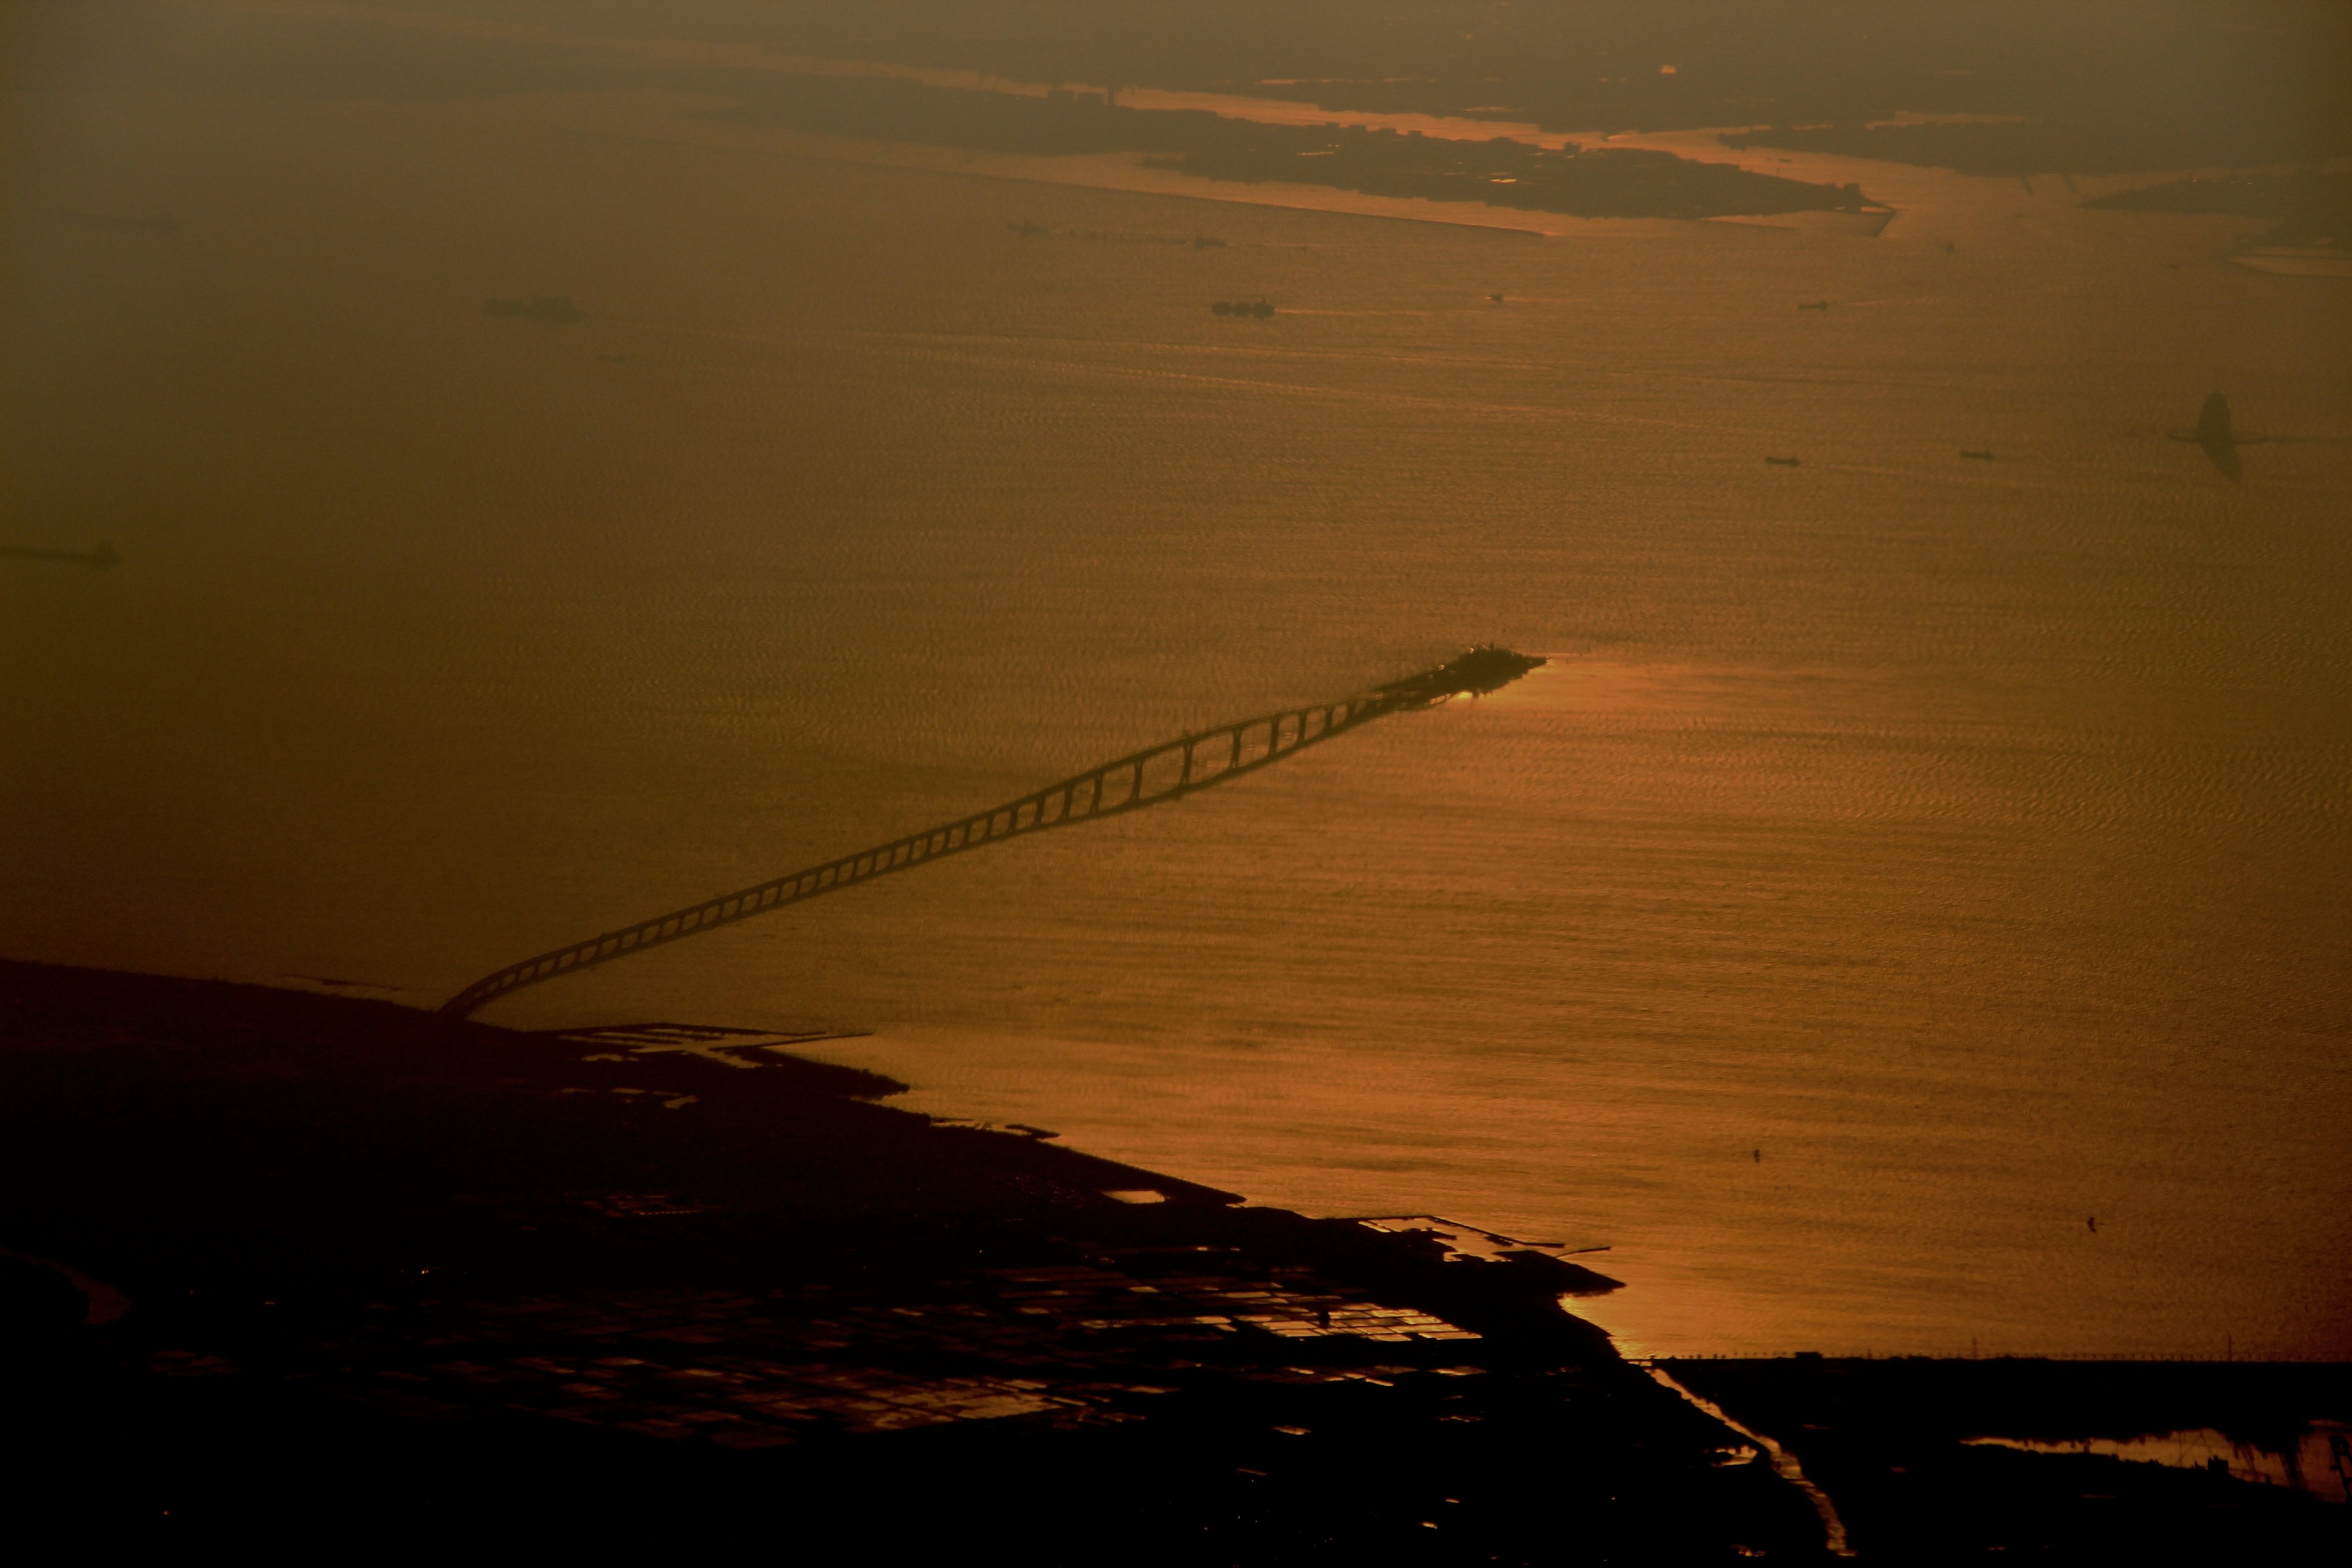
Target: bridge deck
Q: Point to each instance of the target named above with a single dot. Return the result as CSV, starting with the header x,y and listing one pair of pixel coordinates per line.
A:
x,y
1161,772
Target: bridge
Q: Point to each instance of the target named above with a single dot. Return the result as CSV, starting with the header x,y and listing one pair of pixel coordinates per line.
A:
x,y
1166,772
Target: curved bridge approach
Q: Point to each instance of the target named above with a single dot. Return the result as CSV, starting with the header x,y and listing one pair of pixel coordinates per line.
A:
x,y
1163,772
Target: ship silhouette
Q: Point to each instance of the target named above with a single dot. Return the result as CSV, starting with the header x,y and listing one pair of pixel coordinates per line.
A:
x,y
135,222
547,309
97,559
2219,438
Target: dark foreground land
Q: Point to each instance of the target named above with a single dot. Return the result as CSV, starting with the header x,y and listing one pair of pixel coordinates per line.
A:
x,y
1902,1446
337,1274
284,1272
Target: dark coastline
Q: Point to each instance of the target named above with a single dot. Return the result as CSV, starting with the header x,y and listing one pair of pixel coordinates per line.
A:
x,y
1575,180
330,1271
1901,1445
392,1275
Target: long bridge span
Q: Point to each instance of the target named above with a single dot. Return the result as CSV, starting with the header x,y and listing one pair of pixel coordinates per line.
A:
x,y
1163,772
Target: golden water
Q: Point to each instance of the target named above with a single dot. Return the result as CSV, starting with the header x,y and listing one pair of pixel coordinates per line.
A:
x,y
1966,840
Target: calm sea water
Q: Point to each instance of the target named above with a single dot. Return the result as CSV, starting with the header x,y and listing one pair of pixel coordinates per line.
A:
x,y
1903,861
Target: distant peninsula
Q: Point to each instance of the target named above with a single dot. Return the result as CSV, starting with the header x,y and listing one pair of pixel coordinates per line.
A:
x,y
2309,210
2311,206
1578,182
1573,181
2010,146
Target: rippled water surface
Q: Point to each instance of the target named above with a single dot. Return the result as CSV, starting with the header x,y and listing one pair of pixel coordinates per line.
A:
x,y
1904,861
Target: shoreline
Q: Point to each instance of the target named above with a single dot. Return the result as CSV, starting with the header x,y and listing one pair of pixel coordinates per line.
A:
x,y
275,1261
696,1272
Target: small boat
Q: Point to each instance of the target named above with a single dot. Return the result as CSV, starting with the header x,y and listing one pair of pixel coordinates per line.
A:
x,y
97,560
1979,457
1025,229
1786,462
547,309
130,222
1816,305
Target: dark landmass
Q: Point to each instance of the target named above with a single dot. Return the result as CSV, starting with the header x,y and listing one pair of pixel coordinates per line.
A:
x,y
1888,1440
2056,145
332,1270
2009,88
2097,84
328,56
2312,194
279,1267
2153,87
1579,182
2161,73
2311,206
